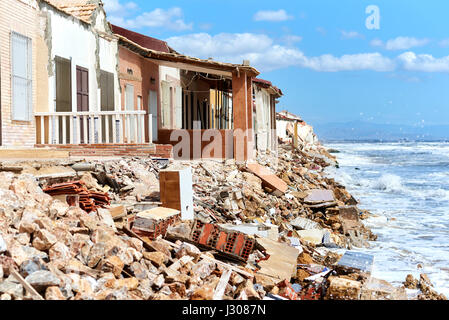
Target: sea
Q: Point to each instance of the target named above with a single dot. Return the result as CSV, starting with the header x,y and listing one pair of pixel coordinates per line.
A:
x,y
405,185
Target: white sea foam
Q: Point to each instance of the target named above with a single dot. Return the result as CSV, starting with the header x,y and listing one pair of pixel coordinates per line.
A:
x,y
389,182
407,187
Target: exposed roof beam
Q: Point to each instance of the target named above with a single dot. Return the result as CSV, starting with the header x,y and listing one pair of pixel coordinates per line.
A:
x,y
189,67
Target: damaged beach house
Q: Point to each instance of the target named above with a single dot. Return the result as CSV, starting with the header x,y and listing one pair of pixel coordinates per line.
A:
x,y
153,175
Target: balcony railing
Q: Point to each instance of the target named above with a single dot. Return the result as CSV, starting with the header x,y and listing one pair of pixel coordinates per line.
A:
x,y
101,127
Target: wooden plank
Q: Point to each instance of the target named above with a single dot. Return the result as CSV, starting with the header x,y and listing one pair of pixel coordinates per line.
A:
x,y
221,287
26,285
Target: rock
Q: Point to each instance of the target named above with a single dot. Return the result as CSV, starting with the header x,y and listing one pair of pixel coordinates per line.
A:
x,y
5,297
266,282
139,271
11,288
411,282
43,240
3,246
181,231
159,281
42,279
128,283
54,293
59,251
157,258
58,209
187,249
23,238
376,289
96,253
344,289
1,272
203,269
106,218
30,266
205,292
114,264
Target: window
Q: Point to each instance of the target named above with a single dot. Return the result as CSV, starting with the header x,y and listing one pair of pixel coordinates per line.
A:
x,y
107,91
129,97
22,86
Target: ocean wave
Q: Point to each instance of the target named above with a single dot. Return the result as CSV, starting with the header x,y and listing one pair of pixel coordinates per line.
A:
x,y
389,182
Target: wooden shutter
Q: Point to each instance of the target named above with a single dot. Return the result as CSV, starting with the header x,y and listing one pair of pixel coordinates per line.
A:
x,y
63,85
178,108
107,91
165,104
82,89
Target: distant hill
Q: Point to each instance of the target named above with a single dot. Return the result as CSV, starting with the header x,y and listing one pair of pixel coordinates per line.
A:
x,y
367,131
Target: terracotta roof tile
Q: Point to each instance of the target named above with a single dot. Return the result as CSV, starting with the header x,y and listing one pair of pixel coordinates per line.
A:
x,y
81,9
142,40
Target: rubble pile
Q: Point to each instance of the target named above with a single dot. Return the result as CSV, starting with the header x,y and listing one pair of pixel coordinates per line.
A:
x,y
88,200
273,230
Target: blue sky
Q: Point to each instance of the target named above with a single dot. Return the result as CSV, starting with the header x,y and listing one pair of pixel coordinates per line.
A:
x,y
330,66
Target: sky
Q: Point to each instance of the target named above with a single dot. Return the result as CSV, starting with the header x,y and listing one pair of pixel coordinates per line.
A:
x,y
380,61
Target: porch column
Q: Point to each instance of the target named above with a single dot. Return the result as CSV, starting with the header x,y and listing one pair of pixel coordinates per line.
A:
x,y
242,113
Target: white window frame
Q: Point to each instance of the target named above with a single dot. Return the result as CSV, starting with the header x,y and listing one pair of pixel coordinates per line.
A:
x,y
28,79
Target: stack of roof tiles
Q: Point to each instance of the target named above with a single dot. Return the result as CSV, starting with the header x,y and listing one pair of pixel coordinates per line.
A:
x,y
89,200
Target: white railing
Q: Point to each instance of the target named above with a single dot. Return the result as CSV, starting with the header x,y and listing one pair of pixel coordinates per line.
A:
x,y
92,127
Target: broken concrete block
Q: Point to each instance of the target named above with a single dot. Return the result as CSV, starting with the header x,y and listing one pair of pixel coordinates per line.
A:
x,y
376,289
42,279
115,265
353,262
305,224
43,240
54,293
344,289
157,258
282,263
154,222
314,236
319,196
268,178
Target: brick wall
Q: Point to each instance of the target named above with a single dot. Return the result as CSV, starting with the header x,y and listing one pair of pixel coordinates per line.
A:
x,y
22,17
217,150
142,72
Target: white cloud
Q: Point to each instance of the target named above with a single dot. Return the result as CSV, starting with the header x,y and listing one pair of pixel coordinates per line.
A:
x,y
423,62
351,62
271,15
377,43
351,35
222,44
291,39
114,6
400,43
171,19
265,55
444,43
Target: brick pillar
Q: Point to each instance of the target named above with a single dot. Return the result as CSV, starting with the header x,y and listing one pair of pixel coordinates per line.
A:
x,y
250,106
240,114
